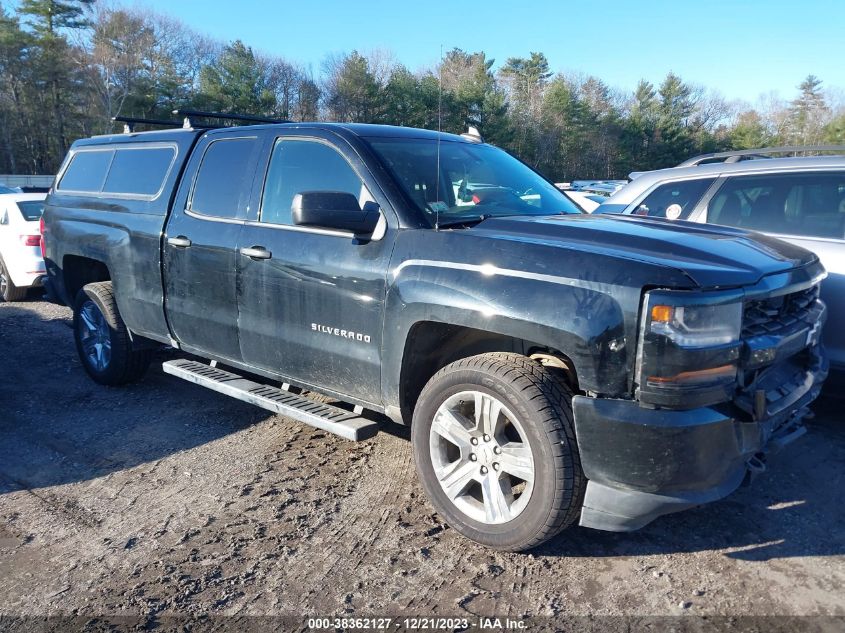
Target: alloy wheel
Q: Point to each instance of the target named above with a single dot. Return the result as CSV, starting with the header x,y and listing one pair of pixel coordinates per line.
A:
x,y
95,336
481,457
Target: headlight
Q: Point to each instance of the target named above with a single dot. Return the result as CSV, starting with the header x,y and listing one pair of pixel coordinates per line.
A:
x,y
688,348
697,325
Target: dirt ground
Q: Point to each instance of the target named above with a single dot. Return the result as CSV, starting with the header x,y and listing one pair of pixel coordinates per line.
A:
x,y
164,499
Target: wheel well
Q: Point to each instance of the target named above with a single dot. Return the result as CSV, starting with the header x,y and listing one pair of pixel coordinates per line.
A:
x,y
431,346
78,271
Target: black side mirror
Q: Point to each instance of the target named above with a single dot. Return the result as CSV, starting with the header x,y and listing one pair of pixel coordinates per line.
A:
x,y
334,210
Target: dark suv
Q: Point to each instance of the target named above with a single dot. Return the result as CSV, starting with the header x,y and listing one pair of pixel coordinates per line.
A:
x,y
554,366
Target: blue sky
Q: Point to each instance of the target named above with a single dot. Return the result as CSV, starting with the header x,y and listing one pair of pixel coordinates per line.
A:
x,y
742,48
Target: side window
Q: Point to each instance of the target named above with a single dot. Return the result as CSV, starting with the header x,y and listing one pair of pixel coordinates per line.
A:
x,y
674,200
809,204
87,171
139,171
224,177
136,171
303,165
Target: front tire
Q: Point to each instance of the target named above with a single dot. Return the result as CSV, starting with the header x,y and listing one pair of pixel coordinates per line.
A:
x,y
102,339
494,446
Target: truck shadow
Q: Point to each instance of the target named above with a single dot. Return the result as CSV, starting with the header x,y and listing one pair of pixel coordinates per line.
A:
x,y
58,427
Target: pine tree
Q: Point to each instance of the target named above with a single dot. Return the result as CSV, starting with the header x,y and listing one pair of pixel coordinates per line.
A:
x,y
477,98
749,132
807,113
236,83
525,82
48,20
14,45
354,93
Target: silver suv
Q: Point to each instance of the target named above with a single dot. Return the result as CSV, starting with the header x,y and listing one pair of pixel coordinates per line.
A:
x,y
799,199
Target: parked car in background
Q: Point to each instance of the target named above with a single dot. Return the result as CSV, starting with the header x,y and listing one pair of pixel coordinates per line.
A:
x,y
606,187
21,264
588,202
589,194
798,199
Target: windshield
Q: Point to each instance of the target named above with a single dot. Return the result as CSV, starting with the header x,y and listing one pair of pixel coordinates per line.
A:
x,y
474,181
31,209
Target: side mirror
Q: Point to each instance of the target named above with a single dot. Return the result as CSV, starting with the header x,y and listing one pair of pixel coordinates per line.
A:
x,y
4,219
334,210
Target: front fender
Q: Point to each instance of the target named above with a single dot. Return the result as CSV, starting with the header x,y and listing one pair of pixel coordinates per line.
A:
x,y
584,321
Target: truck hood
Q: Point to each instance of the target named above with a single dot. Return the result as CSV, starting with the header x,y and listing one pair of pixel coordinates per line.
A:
x,y
711,256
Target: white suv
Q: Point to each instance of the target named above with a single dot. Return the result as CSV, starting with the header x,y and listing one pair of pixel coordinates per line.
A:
x,y
21,264
800,200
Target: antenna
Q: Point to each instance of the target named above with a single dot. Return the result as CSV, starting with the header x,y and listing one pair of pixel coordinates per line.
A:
x,y
439,132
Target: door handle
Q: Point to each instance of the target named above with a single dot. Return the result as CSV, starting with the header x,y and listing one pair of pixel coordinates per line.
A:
x,y
256,252
180,241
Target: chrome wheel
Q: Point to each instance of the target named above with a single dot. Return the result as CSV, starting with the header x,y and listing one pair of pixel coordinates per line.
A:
x,y
95,336
481,457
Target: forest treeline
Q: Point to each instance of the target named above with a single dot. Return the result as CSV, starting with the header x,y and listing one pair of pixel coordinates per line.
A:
x,y
68,66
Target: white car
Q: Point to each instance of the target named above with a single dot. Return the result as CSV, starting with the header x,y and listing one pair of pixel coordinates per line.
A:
x,y
21,264
588,202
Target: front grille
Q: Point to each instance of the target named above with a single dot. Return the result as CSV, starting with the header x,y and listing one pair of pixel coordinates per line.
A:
x,y
771,316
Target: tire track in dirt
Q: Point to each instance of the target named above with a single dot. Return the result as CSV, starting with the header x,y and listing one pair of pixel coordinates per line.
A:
x,y
336,556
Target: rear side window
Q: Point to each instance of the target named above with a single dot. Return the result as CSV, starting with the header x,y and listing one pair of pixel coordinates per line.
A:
x,y
225,174
87,171
137,171
807,205
674,200
297,166
31,210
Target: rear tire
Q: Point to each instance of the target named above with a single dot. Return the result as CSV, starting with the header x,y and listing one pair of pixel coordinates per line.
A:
x,y
102,339
8,290
494,446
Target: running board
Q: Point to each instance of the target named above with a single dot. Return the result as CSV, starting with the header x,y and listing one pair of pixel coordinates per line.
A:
x,y
322,416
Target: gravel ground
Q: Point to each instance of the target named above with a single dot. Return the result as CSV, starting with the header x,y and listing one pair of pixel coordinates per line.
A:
x,y
164,499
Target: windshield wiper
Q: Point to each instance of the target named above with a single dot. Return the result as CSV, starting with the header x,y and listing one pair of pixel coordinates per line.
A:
x,y
466,221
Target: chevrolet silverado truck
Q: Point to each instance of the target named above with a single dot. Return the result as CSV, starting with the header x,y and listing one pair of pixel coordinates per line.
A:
x,y
554,367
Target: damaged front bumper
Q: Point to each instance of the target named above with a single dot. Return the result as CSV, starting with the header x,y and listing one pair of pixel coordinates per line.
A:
x,y
642,463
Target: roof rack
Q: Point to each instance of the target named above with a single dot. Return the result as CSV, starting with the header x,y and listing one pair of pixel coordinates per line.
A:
x,y
188,114
130,122
473,135
745,154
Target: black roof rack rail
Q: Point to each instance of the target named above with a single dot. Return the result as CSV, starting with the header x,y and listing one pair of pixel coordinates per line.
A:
x,y
129,122
188,114
735,156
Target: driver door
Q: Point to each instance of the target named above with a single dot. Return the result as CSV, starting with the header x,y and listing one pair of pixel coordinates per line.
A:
x,y
311,305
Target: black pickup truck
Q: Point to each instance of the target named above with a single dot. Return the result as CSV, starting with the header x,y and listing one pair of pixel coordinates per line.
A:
x,y
554,366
